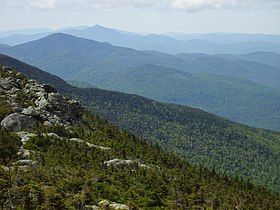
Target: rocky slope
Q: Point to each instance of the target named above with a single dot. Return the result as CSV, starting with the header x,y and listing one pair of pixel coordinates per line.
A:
x,y
55,155
42,103
29,103
204,139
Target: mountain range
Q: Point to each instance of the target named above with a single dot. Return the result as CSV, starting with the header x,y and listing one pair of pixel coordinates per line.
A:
x,y
4,46
227,38
267,58
196,43
245,67
189,133
241,88
47,162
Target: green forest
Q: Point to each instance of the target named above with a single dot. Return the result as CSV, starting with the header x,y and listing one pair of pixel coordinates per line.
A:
x,y
194,135
69,175
66,174
239,88
236,99
239,164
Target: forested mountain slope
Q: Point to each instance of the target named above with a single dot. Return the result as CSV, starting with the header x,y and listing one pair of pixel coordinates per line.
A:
x,y
267,58
192,134
108,67
245,67
93,61
82,162
236,99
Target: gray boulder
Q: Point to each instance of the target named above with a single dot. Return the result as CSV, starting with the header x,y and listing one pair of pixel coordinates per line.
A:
x,y
118,206
17,122
89,144
31,111
25,152
5,84
91,207
25,136
117,162
105,204
25,162
9,82
52,135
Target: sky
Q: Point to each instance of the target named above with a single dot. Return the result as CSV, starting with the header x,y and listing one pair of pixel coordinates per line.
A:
x,y
145,16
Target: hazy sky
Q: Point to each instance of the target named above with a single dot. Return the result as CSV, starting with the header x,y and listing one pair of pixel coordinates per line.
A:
x,y
151,16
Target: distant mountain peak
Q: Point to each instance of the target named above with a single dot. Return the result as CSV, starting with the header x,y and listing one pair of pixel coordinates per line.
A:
x,y
68,38
55,36
59,35
98,26
101,28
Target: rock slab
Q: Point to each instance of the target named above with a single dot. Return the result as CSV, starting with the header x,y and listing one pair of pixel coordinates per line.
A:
x,y
17,122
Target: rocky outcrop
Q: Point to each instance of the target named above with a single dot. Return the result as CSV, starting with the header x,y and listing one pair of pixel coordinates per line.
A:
x,y
25,136
117,162
25,162
91,207
25,152
33,102
105,204
89,144
6,84
31,111
17,122
53,108
52,135
118,206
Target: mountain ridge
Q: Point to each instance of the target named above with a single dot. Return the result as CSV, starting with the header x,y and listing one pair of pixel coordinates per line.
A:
x,y
164,43
192,134
58,166
103,65
267,58
167,44
155,81
4,46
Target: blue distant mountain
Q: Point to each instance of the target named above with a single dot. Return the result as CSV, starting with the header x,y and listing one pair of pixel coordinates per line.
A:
x,y
4,46
238,89
235,44
227,38
267,58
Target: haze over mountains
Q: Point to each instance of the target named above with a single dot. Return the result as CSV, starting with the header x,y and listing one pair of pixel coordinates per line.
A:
x,y
227,38
4,46
62,166
191,43
163,43
140,104
243,88
189,133
267,58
